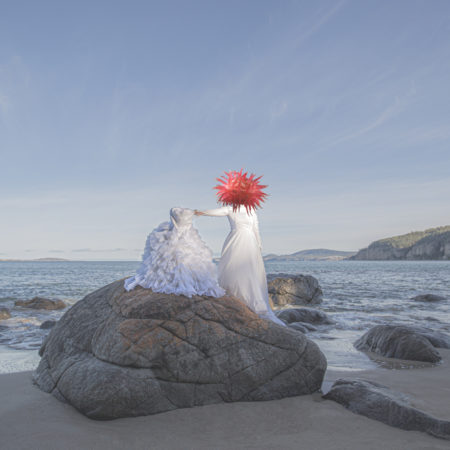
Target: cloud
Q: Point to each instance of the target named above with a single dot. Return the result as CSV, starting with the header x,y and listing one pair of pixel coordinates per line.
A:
x,y
56,251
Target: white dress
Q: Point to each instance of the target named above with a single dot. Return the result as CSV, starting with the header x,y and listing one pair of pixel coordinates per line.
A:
x,y
241,267
176,260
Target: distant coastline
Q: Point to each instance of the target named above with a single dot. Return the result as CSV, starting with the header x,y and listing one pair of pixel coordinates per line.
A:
x,y
317,254
432,244
36,260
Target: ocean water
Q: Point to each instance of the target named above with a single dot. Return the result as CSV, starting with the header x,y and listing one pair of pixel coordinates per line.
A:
x,y
357,296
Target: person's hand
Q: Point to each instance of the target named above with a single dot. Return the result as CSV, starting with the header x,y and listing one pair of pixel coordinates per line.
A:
x,y
198,213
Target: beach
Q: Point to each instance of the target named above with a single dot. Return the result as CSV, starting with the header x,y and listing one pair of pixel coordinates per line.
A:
x,y
32,419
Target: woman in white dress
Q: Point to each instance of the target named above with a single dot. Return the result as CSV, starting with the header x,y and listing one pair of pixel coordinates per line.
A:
x,y
241,267
176,260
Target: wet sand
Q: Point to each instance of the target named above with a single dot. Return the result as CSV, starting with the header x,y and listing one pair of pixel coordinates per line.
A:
x,y
31,419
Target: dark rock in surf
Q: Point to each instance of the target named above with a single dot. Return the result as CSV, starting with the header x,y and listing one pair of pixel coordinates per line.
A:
x,y
294,290
428,298
307,315
4,314
41,303
119,354
47,324
403,342
378,402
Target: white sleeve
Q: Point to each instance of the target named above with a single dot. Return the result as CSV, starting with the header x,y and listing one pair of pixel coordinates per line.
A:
x,y
224,211
256,231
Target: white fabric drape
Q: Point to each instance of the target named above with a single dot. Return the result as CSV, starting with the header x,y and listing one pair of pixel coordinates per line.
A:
x,y
241,267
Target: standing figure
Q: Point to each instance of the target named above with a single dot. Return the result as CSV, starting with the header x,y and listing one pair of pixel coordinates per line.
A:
x,y
241,267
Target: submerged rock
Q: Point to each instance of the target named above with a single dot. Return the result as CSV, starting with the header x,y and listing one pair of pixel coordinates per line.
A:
x,y
4,314
294,290
307,315
118,354
47,324
403,342
378,402
428,298
41,303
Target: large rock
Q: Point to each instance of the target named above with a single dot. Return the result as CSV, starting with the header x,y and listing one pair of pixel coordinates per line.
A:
x,y
41,303
378,402
4,314
118,354
307,315
428,298
294,290
403,342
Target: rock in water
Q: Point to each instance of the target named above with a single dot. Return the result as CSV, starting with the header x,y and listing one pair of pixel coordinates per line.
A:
x,y
403,342
47,324
428,298
307,315
41,303
120,354
4,314
294,290
378,402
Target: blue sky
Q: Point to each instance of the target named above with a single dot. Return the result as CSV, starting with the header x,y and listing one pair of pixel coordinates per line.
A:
x,y
112,112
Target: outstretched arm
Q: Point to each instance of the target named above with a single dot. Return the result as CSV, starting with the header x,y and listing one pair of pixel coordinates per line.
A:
x,y
224,211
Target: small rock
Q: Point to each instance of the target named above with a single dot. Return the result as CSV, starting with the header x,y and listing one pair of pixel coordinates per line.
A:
x,y
378,402
403,342
297,326
41,303
47,324
307,315
4,313
428,298
308,326
294,290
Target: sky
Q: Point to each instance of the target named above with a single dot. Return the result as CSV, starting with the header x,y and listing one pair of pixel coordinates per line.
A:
x,y
112,112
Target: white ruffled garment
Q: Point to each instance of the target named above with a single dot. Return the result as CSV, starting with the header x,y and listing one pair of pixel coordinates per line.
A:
x,y
176,260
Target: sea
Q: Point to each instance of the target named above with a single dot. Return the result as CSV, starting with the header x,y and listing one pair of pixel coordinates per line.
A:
x,y
356,294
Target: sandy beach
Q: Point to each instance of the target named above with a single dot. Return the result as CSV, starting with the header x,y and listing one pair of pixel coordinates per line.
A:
x,y
31,419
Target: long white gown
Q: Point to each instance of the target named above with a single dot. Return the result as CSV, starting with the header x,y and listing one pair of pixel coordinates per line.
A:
x,y
241,267
176,260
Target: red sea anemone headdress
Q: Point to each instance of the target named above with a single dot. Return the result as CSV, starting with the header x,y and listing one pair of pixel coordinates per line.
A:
x,y
237,188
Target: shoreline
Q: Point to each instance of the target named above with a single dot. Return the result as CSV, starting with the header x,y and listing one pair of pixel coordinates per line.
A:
x,y
297,422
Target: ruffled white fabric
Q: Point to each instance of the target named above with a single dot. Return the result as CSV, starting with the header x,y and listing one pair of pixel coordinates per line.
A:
x,y
176,260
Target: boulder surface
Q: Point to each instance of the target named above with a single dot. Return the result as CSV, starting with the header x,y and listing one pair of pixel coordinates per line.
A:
x,y
403,342
294,290
41,303
119,354
378,402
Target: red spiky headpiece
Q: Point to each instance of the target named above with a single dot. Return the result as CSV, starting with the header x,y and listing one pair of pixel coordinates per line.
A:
x,y
237,188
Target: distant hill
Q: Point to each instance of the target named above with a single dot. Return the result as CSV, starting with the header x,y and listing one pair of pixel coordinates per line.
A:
x,y
37,260
432,244
317,254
